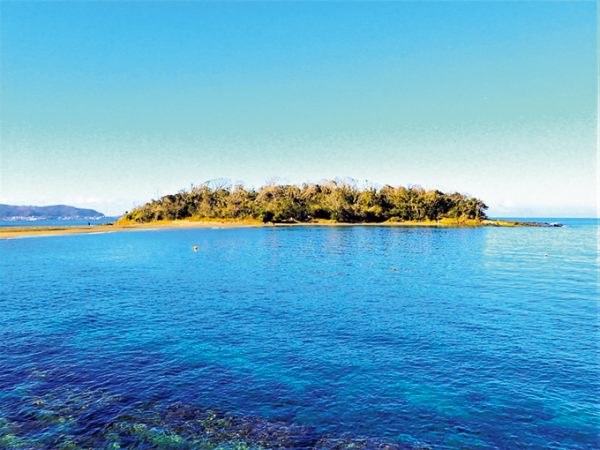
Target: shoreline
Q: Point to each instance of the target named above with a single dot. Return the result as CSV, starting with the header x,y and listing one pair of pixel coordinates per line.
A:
x,y
42,231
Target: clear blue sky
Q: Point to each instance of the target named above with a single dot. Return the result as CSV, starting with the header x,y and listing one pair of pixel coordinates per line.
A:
x,y
107,104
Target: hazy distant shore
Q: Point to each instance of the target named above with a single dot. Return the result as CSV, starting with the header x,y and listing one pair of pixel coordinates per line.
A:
x,y
33,231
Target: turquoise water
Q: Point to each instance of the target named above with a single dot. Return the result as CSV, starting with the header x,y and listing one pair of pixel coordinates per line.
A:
x,y
303,337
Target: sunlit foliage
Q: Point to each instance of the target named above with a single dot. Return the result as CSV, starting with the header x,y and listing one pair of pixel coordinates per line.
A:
x,y
339,201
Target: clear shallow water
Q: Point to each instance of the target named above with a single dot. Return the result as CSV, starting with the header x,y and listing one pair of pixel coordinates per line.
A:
x,y
302,337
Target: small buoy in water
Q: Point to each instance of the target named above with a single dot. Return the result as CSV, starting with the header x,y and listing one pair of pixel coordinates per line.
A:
x,y
195,248
546,254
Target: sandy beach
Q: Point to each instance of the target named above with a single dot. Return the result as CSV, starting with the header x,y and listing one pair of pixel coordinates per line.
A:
x,y
33,231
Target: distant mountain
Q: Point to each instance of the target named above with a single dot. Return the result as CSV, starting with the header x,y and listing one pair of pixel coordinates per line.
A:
x,y
15,212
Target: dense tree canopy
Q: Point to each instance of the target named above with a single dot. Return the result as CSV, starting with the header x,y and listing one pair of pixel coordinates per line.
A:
x,y
333,200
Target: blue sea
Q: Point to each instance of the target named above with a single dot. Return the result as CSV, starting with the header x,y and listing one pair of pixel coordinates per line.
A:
x,y
302,337
56,222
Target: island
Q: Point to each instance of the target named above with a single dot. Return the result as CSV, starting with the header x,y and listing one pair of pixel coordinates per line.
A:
x,y
332,203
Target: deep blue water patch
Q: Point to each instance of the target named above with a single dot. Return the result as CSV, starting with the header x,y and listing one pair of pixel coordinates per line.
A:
x,y
308,337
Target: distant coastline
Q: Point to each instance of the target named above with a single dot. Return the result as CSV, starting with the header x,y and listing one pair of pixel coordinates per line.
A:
x,y
16,213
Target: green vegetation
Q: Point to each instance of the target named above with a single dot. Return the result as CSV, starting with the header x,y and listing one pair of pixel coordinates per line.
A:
x,y
336,201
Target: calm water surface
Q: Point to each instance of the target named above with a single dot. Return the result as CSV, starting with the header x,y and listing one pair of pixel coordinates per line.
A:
x,y
55,222
326,337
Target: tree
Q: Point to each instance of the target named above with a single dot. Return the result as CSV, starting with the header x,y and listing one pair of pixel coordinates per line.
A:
x,y
340,200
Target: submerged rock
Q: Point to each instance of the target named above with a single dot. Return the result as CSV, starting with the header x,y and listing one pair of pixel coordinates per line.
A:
x,y
50,417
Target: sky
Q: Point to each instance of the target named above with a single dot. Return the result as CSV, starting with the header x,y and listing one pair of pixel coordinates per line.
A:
x,y
107,105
